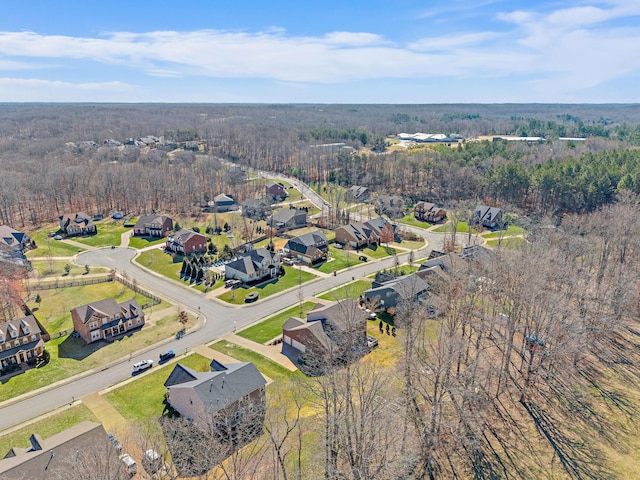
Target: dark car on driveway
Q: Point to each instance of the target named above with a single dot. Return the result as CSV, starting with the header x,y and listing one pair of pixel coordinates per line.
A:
x,y
166,356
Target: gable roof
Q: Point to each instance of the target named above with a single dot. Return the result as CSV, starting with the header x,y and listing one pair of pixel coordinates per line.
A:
x,y
145,220
10,237
105,308
220,388
224,198
285,215
183,236
248,262
406,286
377,224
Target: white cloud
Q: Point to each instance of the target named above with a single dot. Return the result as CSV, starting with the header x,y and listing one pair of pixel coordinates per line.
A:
x,y
452,41
39,90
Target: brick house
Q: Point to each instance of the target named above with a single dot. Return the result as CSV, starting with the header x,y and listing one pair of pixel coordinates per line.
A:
x,y
356,235
310,247
186,242
276,191
106,319
429,212
153,226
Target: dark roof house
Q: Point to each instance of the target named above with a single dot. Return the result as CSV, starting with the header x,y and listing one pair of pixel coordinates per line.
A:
x,y
489,217
13,239
153,226
253,266
309,247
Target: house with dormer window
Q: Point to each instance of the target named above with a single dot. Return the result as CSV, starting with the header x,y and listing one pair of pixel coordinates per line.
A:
x,y
107,319
21,340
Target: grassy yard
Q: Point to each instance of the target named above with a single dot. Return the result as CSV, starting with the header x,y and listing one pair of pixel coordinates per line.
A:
x,y
55,268
509,242
510,231
339,260
47,246
379,251
463,227
410,244
271,327
109,233
70,356
292,278
351,290
266,366
47,427
54,310
409,219
143,242
329,234
142,400
402,270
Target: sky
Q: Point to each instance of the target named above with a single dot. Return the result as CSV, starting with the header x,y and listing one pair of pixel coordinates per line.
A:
x,y
329,51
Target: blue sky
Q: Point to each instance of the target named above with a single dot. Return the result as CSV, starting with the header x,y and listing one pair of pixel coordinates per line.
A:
x,y
347,51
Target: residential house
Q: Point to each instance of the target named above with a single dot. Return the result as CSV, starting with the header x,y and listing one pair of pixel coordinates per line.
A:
x,y
13,240
78,223
153,226
328,333
77,452
21,340
389,294
386,231
288,219
218,401
489,217
106,319
253,266
358,193
224,203
356,235
186,242
310,247
276,191
429,212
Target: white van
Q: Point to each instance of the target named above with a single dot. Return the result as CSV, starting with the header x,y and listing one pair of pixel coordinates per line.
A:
x,y
130,464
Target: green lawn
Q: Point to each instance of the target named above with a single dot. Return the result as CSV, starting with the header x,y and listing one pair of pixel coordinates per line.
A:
x,y
55,268
142,242
47,427
292,278
351,290
54,310
463,227
70,356
409,219
510,231
379,251
410,244
339,260
329,234
270,369
47,246
142,400
402,269
509,242
271,327
109,233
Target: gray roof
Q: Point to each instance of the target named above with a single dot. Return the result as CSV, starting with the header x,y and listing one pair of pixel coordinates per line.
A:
x,y
183,236
224,198
247,262
217,389
407,286
285,215
145,220
106,307
10,237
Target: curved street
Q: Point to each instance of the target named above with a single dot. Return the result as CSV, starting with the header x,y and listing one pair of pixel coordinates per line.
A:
x,y
218,318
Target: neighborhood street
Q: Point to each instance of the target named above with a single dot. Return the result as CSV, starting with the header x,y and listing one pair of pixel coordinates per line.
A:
x,y
219,320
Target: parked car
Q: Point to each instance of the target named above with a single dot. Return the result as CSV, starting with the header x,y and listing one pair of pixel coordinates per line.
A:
x,y
372,342
167,356
58,237
114,441
143,365
338,246
130,464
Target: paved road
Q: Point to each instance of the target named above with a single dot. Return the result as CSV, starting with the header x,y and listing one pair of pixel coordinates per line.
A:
x,y
220,319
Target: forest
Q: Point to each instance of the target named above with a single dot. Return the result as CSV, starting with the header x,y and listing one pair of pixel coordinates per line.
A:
x,y
528,375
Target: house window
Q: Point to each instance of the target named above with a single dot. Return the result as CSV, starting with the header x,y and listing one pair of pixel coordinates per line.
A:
x,y
95,335
16,343
25,340
138,321
130,323
93,325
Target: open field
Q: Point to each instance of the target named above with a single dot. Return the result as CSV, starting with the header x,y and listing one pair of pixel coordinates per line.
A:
x,y
70,356
46,427
292,278
55,268
271,327
509,242
409,219
463,227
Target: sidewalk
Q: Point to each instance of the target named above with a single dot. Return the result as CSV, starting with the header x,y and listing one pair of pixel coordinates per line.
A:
x,y
112,420
272,352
